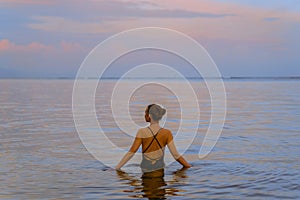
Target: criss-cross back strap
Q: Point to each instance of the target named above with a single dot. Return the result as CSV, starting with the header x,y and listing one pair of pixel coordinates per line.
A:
x,y
154,138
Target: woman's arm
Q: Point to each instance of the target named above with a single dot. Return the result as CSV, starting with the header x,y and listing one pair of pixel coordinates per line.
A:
x,y
134,147
175,153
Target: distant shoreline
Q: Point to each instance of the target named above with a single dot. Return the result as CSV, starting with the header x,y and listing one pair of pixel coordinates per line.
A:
x,y
163,78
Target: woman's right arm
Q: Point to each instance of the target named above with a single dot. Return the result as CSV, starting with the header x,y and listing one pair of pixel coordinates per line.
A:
x,y
134,147
174,152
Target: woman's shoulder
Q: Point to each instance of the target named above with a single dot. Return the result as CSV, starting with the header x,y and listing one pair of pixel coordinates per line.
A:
x,y
142,132
167,133
166,130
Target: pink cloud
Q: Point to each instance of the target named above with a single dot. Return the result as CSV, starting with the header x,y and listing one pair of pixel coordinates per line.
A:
x,y
5,44
8,46
245,23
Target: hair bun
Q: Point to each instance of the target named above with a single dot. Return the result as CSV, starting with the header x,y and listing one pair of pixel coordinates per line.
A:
x,y
162,111
156,112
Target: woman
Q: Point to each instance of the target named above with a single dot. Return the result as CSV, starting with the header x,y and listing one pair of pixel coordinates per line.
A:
x,y
153,139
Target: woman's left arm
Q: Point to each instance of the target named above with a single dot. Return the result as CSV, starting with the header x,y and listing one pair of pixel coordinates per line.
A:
x,y
134,147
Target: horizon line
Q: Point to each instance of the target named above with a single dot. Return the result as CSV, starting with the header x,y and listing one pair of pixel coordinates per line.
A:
x,y
171,78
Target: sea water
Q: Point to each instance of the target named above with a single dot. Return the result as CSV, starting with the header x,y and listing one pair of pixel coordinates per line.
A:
x,y
256,156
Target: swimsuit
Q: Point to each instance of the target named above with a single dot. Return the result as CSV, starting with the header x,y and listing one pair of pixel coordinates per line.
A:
x,y
149,164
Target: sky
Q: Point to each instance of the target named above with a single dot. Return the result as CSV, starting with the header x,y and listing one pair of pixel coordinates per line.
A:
x,y
51,38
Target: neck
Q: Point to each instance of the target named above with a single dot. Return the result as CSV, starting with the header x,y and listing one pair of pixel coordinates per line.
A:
x,y
154,123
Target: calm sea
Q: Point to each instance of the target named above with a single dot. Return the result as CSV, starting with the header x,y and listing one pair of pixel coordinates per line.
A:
x,y
256,157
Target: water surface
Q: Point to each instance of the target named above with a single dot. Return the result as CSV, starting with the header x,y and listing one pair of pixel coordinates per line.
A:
x,y
256,157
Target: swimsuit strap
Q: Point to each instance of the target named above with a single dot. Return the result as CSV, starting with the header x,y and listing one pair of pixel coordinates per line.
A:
x,y
154,138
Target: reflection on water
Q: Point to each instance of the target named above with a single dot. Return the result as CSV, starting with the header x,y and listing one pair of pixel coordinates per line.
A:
x,y
152,186
256,157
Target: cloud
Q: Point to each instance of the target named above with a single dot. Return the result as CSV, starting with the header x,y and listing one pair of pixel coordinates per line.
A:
x,y
227,29
36,47
161,13
145,9
61,24
8,46
5,45
196,18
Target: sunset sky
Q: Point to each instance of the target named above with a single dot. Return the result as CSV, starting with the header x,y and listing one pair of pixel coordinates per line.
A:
x,y
51,38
